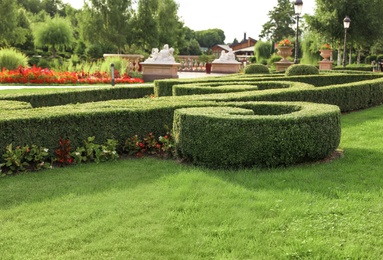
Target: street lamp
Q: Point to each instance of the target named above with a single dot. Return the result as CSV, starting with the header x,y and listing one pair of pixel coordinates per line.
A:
x,y
346,24
298,10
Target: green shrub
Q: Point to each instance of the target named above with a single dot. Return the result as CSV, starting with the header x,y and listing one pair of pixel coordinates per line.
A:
x,y
256,69
370,59
44,63
239,135
11,59
94,51
262,51
301,69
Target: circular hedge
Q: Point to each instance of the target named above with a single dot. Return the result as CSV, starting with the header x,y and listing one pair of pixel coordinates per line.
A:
x,y
301,69
256,69
256,133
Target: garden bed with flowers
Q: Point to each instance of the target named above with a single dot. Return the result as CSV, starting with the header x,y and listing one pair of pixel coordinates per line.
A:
x,y
37,75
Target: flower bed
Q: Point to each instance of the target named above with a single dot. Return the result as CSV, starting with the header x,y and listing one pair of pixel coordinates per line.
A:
x,y
37,75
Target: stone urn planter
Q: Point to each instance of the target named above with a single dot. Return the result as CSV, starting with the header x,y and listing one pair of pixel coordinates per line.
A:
x,y
284,52
326,54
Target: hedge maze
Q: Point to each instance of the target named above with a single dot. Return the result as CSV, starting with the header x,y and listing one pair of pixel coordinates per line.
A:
x,y
227,122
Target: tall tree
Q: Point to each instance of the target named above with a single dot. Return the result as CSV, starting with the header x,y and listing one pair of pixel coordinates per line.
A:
x,y
279,25
8,21
169,27
54,33
145,25
209,38
365,26
106,22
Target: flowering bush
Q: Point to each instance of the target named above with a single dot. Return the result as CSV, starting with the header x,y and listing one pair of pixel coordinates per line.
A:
x,y
32,158
37,75
285,43
161,147
20,159
325,46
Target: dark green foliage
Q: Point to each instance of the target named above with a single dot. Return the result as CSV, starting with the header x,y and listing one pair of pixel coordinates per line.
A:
x,y
228,137
121,119
82,96
256,69
164,87
301,69
356,67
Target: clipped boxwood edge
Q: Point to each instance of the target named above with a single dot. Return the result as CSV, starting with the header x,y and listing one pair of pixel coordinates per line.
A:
x,y
222,137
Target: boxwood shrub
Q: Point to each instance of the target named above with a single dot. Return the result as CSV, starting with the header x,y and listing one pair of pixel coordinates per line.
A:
x,y
73,96
301,69
256,69
238,135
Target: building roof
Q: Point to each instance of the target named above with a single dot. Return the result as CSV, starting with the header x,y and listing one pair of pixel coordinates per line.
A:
x,y
223,46
247,49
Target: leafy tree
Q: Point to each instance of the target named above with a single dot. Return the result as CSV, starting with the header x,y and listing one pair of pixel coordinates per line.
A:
x,y
32,6
8,24
145,25
279,25
53,7
262,51
191,48
209,38
54,33
169,28
365,27
106,22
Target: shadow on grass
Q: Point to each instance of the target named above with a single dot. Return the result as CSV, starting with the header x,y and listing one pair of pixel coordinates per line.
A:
x,y
359,171
82,180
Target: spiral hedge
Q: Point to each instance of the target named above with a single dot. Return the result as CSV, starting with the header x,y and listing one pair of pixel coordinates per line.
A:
x,y
256,133
41,119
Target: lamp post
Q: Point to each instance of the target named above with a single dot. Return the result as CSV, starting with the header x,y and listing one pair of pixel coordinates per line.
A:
x,y
298,10
346,24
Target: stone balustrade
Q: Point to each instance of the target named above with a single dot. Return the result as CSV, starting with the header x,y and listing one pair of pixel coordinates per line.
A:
x,y
190,63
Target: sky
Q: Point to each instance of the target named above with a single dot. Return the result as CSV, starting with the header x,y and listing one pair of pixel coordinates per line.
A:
x,y
234,19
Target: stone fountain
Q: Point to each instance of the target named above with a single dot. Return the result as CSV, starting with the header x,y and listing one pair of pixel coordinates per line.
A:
x,y
160,65
226,63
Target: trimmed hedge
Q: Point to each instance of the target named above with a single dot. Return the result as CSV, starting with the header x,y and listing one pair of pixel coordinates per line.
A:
x,y
73,96
241,136
13,105
121,119
218,87
256,69
165,87
301,69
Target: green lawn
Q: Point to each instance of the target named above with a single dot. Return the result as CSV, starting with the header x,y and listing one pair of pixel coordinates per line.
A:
x,y
153,209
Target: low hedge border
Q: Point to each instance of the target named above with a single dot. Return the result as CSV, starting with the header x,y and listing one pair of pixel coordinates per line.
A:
x,y
57,97
238,135
218,87
165,87
13,105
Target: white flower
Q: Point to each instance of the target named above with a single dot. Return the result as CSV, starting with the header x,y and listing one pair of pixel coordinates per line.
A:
x,y
77,153
46,150
114,152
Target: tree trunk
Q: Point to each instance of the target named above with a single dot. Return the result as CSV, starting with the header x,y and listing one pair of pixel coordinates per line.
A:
x,y
54,52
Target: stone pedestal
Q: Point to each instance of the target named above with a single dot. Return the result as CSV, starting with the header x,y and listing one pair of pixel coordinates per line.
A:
x,y
226,67
325,65
283,65
153,71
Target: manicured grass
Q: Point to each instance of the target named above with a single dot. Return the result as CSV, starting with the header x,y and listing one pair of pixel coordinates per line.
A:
x,y
153,209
